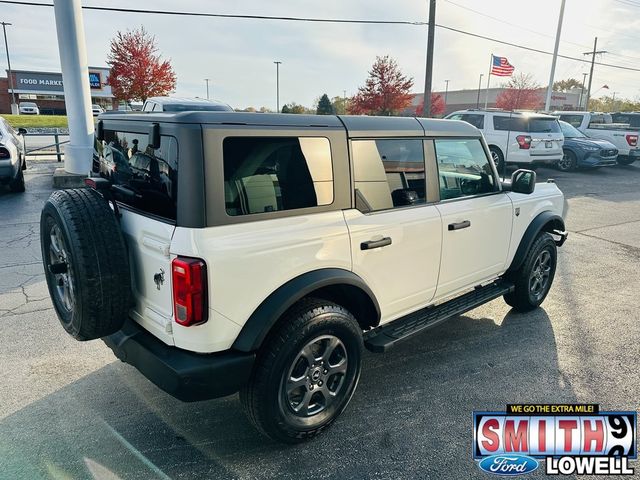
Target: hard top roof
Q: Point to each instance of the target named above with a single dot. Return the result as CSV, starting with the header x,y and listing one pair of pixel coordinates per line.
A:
x,y
356,125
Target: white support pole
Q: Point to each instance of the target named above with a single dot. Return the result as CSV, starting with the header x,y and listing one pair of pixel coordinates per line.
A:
x,y
77,94
547,103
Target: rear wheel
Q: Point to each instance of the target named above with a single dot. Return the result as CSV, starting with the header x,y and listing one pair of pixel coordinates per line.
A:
x,y
534,277
305,373
17,184
498,158
625,160
568,162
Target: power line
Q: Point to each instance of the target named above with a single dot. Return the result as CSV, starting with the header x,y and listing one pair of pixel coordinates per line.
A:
x,y
320,20
513,24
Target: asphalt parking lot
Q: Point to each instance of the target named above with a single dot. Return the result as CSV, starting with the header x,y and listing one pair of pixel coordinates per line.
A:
x,y
69,410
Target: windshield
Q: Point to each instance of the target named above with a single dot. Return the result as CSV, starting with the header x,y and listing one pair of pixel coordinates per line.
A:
x,y
543,125
569,131
27,104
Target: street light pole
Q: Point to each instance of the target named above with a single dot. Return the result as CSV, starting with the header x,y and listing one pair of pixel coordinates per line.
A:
x,y
547,103
277,86
479,87
207,80
14,110
584,80
446,91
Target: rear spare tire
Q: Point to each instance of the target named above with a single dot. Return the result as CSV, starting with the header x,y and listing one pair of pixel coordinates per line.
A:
x,y
85,262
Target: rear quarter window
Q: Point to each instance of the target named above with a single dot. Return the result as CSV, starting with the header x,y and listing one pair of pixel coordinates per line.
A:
x,y
270,174
149,176
544,125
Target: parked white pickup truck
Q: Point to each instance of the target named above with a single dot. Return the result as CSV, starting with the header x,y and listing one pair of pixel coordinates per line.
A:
x,y
601,126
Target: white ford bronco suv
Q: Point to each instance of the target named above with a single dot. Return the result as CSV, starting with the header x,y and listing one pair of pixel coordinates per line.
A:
x,y
220,252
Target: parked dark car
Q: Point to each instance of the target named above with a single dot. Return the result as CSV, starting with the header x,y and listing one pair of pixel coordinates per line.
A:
x,y
581,151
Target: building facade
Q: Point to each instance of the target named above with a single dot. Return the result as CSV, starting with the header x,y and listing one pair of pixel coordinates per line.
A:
x,y
45,89
464,99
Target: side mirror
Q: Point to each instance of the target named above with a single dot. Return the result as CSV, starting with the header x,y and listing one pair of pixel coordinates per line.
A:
x,y
22,131
470,187
523,181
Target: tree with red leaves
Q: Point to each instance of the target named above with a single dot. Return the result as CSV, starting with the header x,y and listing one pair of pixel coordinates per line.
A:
x,y
137,71
522,92
386,91
437,106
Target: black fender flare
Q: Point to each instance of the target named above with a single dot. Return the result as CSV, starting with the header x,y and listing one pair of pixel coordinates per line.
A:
x,y
546,221
277,303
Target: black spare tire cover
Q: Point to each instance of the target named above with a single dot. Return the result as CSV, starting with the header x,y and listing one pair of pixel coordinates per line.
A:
x,y
85,262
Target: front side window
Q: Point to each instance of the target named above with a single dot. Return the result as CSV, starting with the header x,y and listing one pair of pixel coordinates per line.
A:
x,y
388,173
149,176
464,168
270,174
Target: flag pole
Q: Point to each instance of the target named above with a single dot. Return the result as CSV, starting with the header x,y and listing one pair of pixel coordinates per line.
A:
x,y
486,95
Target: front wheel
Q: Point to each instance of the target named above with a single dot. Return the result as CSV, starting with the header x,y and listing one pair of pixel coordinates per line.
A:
x,y
305,373
568,162
534,277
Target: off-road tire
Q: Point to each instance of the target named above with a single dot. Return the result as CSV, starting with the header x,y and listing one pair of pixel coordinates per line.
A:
x,y
522,298
264,399
626,159
95,257
17,184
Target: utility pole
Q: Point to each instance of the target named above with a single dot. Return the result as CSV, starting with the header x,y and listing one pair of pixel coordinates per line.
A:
x,y
277,86
344,101
547,104
593,62
14,108
426,109
207,81
446,91
479,87
584,80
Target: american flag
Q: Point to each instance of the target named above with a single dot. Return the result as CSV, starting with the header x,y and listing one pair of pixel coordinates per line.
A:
x,y
500,67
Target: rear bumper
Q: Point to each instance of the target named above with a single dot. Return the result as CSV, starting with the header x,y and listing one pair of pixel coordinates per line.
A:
x,y
185,375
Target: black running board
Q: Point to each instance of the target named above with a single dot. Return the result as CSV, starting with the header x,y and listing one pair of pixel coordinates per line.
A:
x,y
386,336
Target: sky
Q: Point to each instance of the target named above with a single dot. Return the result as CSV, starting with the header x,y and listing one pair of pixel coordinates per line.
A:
x,y
238,55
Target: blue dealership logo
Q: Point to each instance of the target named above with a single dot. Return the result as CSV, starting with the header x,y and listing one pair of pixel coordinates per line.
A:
x,y
508,464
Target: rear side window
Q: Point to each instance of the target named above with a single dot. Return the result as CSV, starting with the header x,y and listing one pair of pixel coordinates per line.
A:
x,y
515,124
388,173
270,174
149,176
463,168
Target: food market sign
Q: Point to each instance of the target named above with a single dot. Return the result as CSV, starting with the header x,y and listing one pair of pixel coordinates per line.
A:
x,y
40,82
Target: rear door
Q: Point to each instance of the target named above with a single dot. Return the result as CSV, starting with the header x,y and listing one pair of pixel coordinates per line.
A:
x,y
147,201
395,232
546,137
476,216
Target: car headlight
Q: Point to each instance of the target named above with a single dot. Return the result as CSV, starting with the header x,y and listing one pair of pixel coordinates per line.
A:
x,y
591,149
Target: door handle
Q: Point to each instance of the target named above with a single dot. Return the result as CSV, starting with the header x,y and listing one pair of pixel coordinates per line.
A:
x,y
371,244
459,225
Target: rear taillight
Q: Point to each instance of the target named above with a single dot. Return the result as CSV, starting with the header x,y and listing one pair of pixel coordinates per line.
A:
x,y
189,276
4,153
524,141
632,140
